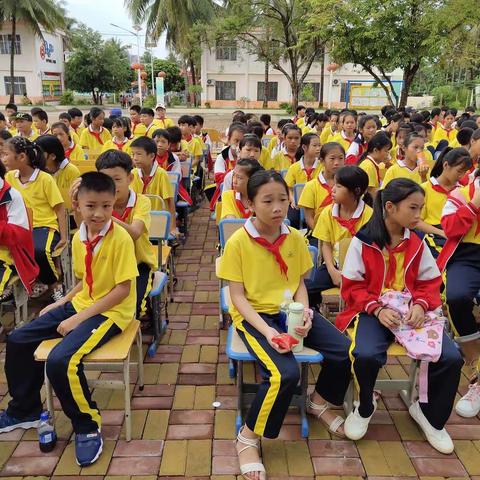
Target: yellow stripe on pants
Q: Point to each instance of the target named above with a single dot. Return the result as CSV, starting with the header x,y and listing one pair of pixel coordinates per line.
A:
x,y
5,277
275,381
143,305
350,351
74,381
48,251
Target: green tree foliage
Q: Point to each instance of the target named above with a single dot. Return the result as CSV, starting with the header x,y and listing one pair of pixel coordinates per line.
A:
x,y
174,82
381,36
96,64
36,15
290,45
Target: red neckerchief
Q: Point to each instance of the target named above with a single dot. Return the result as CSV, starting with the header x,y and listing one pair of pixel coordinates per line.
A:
x,y
438,188
97,135
377,169
188,138
120,145
90,247
69,150
309,171
292,159
400,156
392,262
46,132
146,182
466,178
123,217
162,160
274,248
349,224
244,212
328,200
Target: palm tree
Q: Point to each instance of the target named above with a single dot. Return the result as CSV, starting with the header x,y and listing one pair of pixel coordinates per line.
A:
x,y
177,18
37,15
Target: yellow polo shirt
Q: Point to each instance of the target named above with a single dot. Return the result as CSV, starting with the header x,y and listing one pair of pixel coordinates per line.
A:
x,y
164,123
40,194
125,146
374,170
245,261
296,173
281,161
194,147
316,195
159,185
64,178
113,262
229,205
76,155
400,170
434,203
139,130
89,142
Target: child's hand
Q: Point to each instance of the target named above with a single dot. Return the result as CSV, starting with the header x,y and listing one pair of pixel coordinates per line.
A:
x,y
68,325
183,155
336,277
61,243
307,323
293,205
52,306
415,317
423,170
388,318
74,191
269,334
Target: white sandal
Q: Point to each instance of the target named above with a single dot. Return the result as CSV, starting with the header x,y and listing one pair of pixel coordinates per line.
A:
x,y
254,466
318,410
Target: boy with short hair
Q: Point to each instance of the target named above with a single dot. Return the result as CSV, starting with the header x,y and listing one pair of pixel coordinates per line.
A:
x,y
146,117
187,124
100,306
138,128
149,178
65,118
23,124
76,121
40,120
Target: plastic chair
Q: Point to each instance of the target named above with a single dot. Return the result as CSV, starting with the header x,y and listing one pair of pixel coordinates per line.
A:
x,y
160,281
297,192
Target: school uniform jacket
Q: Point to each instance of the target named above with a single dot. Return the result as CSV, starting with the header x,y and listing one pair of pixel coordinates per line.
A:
x,y
364,272
16,234
223,164
355,151
458,217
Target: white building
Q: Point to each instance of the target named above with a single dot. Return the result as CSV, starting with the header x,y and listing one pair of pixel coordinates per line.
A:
x,y
231,77
39,65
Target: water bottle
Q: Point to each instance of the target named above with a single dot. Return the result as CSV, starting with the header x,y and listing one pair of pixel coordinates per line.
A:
x,y
287,299
295,319
47,438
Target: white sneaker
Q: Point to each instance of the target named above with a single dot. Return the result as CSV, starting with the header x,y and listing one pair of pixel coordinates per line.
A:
x,y
57,293
355,426
469,405
439,439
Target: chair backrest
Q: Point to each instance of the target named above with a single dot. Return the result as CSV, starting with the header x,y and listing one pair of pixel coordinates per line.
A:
x,y
158,203
85,166
314,254
213,134
174,178
297,191
283,172
186,167
227,227
159,225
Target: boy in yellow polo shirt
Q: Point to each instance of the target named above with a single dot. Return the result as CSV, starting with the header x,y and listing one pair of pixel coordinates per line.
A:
x,y
138,128
100,306
151,179
187,124
146,117
76,121
95,136
23,124
161,117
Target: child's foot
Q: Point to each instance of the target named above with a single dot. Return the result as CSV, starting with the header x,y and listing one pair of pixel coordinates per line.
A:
x,y
88,447
57,293
356,426
469,405
7,294
328,417
439,439
8,423
39,289
251,465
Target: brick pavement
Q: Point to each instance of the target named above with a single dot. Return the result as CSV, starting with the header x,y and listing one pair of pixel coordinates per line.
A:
x,y
178,434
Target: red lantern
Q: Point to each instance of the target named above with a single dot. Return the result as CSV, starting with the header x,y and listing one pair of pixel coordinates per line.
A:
x,y
144,75
331,67
135,66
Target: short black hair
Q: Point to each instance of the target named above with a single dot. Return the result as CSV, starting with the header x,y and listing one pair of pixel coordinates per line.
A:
x,y
41,115
146,144
97,182
199,120
250,165
35,110
66,116
75,112
114,158
2,117
255,128
188,119
5,135
300,107
11,106
161,132
266,118
174,133
51,145
252,140
147,111
135,108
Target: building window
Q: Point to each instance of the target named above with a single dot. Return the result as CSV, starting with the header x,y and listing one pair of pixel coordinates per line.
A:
x,y
225,90
19,88
5,42
226,51
343,90
272,91
314,88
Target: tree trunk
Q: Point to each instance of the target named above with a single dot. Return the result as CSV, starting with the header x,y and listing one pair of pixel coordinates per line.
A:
x,y
266,89
322,78
408,76
295,86
194,79
12,59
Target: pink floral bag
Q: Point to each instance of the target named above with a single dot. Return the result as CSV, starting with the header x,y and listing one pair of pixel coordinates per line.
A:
x,y
423,343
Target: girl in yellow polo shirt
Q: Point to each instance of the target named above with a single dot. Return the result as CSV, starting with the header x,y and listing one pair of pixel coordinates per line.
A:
x,y
72,151
95,136
25,163
292,136
346,135
448,170
413,166
265,263
235,202
121,136
317,193
445,131
375,160
330,128
342,219
398,151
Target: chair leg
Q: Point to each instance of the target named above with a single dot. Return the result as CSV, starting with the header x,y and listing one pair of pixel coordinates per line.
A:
x,y
49,395
140,360
128,418
239,418
348,401
303,399
408,396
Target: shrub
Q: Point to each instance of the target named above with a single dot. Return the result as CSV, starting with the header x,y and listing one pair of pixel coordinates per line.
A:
x,y
67,98
287,107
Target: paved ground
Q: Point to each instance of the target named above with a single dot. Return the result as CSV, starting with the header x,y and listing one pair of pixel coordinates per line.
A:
x,y
178,434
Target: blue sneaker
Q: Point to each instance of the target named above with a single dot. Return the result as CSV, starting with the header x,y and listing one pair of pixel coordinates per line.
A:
x,y
88,447
8,423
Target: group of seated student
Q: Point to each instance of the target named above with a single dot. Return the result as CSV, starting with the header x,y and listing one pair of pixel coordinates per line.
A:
x,y
409,204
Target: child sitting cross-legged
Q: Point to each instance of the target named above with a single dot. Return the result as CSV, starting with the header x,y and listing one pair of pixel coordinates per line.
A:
x,y
100,306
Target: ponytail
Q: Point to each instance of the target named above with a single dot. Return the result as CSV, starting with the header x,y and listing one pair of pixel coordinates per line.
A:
x,y
379,140
454,157
396,191
32,151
